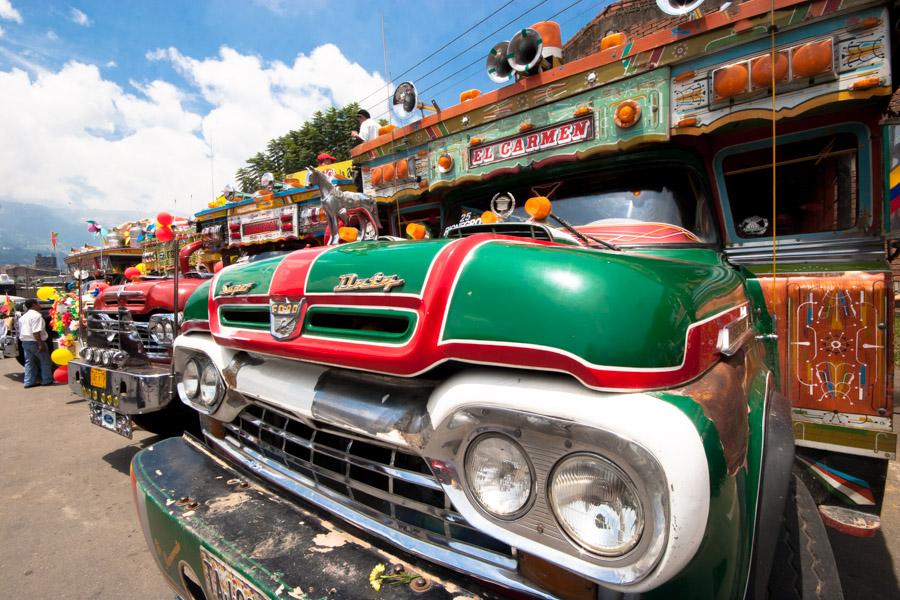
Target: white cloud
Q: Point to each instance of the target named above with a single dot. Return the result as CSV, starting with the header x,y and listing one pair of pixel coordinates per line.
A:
x,y
1,32
8,12
99,145
78,17
111,64
51,35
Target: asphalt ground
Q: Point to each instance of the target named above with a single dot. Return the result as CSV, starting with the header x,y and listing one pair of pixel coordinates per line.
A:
x,y
68,528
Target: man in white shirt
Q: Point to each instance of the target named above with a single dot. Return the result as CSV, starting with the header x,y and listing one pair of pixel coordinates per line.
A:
x,y
33,335
368,128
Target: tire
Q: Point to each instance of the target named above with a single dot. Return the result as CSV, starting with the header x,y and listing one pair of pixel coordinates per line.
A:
x,y
804,566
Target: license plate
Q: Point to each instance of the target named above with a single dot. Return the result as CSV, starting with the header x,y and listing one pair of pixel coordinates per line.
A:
x,y
104,416
223,582
98,378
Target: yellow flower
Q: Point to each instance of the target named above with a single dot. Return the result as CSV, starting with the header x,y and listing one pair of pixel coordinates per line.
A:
x,y
375,577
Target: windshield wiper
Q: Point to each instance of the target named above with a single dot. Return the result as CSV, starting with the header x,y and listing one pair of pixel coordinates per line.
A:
x,y
587,239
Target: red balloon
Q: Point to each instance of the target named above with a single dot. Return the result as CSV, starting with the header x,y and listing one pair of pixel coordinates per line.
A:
x,y
61,375
164,218
132,273
218,266
98,285
165,234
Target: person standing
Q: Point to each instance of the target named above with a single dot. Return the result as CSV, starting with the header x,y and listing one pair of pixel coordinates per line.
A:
x,y
368,128
33,335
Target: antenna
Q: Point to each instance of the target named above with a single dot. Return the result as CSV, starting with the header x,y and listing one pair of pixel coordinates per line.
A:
x,y
387,72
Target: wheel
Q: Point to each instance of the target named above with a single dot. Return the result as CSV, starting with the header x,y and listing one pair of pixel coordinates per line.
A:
x,y
804,567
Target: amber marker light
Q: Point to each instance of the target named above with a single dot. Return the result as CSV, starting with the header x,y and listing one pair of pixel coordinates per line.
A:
x,y
526,126
348,234
627,114
376,176
387,172
401,168
538,207
488,217
583,110
469,95
730,81
386,129
612,40
812,58
444,163
864,84
416,231
688,122
761,69
475,141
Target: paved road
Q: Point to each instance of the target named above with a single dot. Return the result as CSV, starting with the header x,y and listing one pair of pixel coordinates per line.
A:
x,y
68,528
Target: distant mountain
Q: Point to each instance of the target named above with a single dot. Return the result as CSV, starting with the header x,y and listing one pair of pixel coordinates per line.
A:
x,y
25,228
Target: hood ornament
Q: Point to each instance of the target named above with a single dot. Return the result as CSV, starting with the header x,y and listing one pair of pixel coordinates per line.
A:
x,y
347,208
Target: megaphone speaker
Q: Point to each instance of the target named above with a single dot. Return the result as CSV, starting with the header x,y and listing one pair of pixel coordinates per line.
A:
x,y
497,67
678,7
524,51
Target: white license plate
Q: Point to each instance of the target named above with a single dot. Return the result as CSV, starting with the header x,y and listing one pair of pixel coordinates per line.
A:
x,y
223,582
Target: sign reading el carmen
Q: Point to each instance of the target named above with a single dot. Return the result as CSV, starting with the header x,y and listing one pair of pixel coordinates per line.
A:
x,y
536,140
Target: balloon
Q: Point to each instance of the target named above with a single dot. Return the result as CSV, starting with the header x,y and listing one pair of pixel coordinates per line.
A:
x,y
46,293
92,228
95,292
61,356
104,231
99,285
132,273
164,218
164,234
141,267
61,375
218,266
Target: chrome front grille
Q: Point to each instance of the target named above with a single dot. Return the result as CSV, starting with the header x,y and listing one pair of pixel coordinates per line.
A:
x,y
112,329
388,483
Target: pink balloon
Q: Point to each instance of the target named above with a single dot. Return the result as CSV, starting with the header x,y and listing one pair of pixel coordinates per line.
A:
x,y
165,234
165,218
218,266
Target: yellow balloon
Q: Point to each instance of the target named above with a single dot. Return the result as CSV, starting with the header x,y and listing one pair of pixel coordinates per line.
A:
x,y
141,267
62,356
46,293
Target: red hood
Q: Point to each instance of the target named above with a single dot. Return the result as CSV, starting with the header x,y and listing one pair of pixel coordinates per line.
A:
x,y
146,296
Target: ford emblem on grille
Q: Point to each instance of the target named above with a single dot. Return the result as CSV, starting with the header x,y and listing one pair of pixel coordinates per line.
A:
x,y
284,317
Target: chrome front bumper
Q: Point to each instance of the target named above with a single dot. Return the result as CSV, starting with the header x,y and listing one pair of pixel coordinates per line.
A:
x,y
138,391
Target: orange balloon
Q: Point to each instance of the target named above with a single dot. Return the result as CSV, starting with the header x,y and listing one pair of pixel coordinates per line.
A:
x,y
416,231
488,217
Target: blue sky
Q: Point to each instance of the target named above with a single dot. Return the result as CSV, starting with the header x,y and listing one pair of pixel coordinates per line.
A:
x,y
151,104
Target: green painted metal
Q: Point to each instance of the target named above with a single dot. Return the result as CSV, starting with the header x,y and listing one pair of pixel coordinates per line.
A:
x,y
613,309
258,274
408,317
821,267
408,260
197,306
649,90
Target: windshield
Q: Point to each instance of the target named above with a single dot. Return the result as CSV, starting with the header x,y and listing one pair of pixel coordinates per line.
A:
x,y
651,205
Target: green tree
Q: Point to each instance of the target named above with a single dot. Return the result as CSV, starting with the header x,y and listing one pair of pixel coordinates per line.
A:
x,y
326,131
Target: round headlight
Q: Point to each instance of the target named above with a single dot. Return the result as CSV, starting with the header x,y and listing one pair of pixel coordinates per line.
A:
x,y
158,330
88,354
596,504
170,330
210,385
119,358
106,357
190,379
499,475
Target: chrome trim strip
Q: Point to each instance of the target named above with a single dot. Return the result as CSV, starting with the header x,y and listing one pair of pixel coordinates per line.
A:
x,y
501,573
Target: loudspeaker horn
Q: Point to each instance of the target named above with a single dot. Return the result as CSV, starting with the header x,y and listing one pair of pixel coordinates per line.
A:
x,y
678,7
406,99
524,51
497,67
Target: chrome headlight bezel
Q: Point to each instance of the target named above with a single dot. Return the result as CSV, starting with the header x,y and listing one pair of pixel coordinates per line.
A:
x,y
161,328
205,367
191,390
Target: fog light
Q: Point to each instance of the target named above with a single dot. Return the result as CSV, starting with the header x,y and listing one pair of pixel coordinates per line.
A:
x,y
596,504
499,475
106,358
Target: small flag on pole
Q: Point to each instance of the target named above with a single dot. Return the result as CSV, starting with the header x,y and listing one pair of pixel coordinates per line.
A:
x,y
53,236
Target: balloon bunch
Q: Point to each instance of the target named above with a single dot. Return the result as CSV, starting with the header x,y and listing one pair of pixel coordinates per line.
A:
x,y
164,231
64,319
